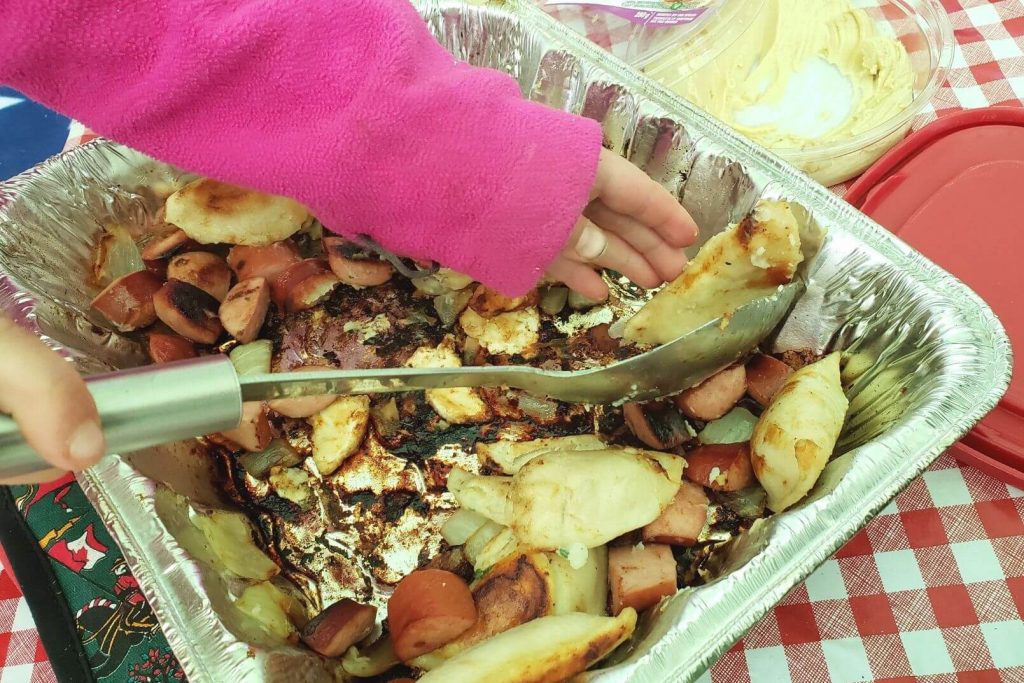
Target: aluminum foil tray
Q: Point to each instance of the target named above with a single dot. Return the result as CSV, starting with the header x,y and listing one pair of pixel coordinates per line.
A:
x,y
925,357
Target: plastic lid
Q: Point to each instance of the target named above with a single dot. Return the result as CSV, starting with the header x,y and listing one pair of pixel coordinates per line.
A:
x,y
638,31
953,191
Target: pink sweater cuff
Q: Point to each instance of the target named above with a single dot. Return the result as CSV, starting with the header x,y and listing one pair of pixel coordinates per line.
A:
x,y
352,108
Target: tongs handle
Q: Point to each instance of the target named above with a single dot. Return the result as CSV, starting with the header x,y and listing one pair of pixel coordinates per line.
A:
x,y
144,407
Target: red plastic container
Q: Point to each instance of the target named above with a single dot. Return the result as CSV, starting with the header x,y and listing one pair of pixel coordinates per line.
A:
x,y
955,192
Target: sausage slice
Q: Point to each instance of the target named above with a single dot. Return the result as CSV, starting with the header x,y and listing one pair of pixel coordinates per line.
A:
x,y
128,301
683,520
254,432
206,271
429,608
765,376
339,627
715,396
266,262
189,311
345,261
721,467
304,284
245,308
168,245
640,576
167,348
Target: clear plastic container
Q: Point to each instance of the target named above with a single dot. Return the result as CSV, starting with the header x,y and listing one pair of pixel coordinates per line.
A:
x,y
923,27
678,56
640,31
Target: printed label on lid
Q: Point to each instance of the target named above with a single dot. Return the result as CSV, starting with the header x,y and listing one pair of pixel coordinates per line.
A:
x,y
654,13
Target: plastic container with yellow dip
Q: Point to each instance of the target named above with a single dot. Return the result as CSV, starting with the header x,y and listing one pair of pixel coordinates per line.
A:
x,y
829,85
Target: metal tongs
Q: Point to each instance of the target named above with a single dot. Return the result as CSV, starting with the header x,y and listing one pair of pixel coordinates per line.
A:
x,y
159,404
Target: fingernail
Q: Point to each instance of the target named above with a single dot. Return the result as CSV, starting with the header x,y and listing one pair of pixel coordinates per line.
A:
x,y
86,444
591,243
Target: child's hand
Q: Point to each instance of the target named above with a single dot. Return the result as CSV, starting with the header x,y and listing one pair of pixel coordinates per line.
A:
x,y
50,403
632,225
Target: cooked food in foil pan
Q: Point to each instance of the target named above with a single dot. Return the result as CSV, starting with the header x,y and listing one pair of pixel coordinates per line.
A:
x,y
487,534
485,519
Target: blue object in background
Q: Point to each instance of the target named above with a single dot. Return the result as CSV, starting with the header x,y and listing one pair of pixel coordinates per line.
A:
x,y
29,133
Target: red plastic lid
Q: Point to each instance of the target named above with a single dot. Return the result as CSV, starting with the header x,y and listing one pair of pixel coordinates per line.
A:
x,y
955,192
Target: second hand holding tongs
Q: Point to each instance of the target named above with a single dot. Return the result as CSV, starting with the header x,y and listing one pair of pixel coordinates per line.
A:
x,y
160,404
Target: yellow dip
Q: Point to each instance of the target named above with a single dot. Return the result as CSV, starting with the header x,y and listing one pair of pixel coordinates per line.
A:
x,y
805,73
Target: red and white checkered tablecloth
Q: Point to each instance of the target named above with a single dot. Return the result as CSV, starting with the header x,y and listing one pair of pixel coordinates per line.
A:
x,y
931,591
22,657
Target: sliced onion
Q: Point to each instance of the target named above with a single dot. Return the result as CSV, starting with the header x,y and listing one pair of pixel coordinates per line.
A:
x,y
370,661
748,503
452,280
495,550
736,426
278,454
385,418
553,299
117,255
578,302
475,543
469,351
460,526
252,358
314,228
451,304
415,317
429,285
539,409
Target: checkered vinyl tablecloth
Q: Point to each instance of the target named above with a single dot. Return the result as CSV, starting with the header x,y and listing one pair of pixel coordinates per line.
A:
x,y
22,657
932,590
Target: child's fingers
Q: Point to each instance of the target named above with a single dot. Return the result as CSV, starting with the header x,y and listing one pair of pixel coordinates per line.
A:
x,y
578,277
621,257
590,244
593,246
627,190
667,261
48,400
587,243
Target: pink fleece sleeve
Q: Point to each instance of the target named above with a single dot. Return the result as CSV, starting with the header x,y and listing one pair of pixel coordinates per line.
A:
x,y
349,107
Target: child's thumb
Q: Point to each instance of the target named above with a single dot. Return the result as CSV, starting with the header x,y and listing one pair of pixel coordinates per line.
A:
x,y
48,400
